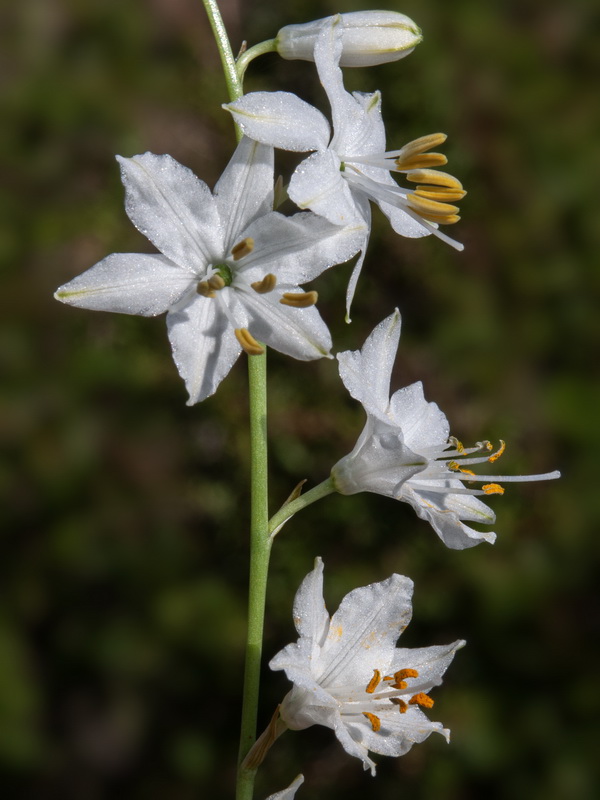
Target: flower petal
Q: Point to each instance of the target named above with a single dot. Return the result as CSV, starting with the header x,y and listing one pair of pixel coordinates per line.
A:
x,y
299,248
297,332
290,792
244,191
204,346
318,184
282,120
430,662
128,283
363,632
423,423
173,208
310,614
367,373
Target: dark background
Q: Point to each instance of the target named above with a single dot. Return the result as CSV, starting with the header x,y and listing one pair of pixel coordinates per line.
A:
x,y
124,535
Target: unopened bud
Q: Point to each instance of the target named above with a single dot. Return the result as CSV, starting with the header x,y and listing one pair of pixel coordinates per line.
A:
x,y
368,38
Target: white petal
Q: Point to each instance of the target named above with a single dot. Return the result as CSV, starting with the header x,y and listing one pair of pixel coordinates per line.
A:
x,y
398,731
367,373
364,207
297,332
430,662
318,184
423,423
310,614
282,120
204,346
173,208
244,191
363,632
352,744
128,283
290,792
400,221
299,248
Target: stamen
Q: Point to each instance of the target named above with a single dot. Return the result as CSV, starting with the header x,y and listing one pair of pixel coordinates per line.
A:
x,y
248,342
243,248
374,720
434,177
441,193
421,699
424,205
405,673
216,282
492,488
495,456
374,682
440,219
402,705
420,161
457,444
265,286
422,144
204,289
299,299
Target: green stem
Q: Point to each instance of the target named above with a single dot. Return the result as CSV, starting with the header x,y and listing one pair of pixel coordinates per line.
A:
x,y
260,542
269,46
289,509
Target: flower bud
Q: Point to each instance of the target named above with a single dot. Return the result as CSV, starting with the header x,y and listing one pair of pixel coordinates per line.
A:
x,y
368,38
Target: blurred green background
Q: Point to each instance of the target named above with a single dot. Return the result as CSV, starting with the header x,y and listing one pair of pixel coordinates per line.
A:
x,y
124,513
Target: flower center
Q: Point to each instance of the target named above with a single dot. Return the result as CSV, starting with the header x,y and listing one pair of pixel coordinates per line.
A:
x,y
388,690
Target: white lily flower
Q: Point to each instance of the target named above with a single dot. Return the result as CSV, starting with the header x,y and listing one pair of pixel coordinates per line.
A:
x,y
352,167
228,270
405,450
348,674
368,38
290,792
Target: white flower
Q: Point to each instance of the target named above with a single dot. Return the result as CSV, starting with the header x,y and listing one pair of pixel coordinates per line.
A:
x,y
348,674
405,450
290,792
368,38
228,270
352,167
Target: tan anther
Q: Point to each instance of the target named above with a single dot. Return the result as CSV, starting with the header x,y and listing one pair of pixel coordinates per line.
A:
x,y
495,456
421,699
373,719
374,682
265,286
299,299
243,248
425,206
216,282
440,219
402,704
402,674
433,177
204,289
248,342
423,143
420,161
493,488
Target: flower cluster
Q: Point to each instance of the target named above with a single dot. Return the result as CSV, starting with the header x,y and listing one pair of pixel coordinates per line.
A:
x,y
230,273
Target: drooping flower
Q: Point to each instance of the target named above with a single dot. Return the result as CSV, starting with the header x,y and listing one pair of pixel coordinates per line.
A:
x,y
352,167
368,38
290,792
229,267
405,450
348,674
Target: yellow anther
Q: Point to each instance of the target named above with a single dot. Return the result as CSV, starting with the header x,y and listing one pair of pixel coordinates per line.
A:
x,y
441,193
204,289
299,299
493,488
397,684
488,445
243,248
495,456
425,206
468,472
374,720
265,286
216,282
423,143
440,219
248,342
434,177
454,466
420,161
402,705
421,699
374,682
457,444
402,674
